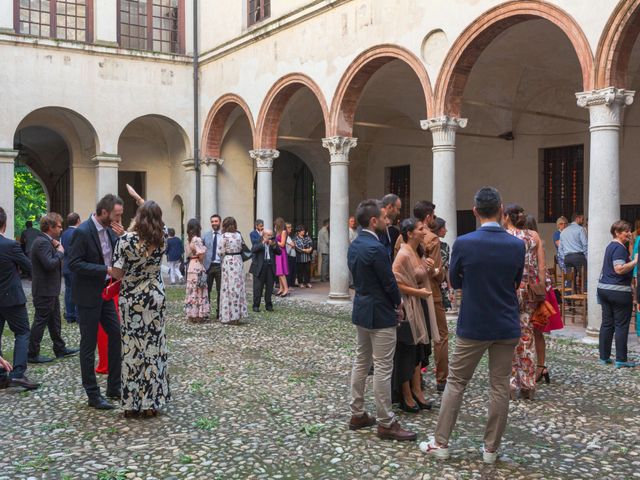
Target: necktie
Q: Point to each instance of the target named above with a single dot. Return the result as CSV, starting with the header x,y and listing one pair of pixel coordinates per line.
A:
x,y
215,247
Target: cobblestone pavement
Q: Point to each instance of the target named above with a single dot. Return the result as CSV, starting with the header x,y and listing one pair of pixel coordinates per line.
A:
x,y
269,399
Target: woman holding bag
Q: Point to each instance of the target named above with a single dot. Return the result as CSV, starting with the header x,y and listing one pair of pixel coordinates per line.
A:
x,y
196,300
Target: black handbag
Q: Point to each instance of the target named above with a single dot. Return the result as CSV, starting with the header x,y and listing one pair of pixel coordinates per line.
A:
x,y
245,253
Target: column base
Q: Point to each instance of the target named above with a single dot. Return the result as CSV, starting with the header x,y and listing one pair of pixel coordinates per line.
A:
x,y
339,299
592,332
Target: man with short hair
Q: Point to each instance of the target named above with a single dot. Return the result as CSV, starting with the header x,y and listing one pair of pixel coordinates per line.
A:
x,y
487,265
175,250
70,309
29,234
377,307
90,257
46,261
323,250
391,205
263,269
256,234
13,309
212,262
573,247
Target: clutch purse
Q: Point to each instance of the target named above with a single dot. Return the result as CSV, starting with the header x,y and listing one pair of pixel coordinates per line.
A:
x,y
111,291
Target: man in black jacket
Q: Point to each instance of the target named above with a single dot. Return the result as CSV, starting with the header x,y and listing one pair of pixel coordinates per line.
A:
x,y
263,269
46,260
13,308
90,257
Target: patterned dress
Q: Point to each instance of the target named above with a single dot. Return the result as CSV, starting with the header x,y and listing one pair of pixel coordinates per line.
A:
x,y
523,370
196,300
445,253
233,297
145,381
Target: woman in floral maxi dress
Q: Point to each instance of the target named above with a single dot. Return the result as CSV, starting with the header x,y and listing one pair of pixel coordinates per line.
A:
x,y
233,297
523,372
196,300
136,262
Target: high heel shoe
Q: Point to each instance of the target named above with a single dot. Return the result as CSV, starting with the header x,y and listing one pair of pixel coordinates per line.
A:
x,y
544,373
423,406
408,408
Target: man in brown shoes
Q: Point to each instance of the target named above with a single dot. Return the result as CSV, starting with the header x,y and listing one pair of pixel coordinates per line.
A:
x,y
377,307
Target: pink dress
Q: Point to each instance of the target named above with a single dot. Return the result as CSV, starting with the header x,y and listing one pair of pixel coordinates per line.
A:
x,y
282,262
555,321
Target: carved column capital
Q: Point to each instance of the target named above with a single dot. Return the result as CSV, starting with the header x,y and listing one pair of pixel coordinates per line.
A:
x,y
210,165
443,130
264,158
605,105
339,148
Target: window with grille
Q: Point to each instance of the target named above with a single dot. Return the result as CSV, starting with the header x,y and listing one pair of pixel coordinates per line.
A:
x,y
562,182
258,10
398,182
156,25
60,19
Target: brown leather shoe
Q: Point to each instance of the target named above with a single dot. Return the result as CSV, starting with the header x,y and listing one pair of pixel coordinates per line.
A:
x,y
363,421
395,432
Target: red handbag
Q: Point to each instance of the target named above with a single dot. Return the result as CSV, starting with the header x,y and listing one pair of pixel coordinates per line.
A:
x,y
111,291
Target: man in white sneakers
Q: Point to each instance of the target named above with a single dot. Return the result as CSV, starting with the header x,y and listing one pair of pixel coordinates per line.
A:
x,y
487,265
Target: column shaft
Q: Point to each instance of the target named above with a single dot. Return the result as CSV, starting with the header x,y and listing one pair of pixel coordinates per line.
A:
x,y
339,214
106,174
264,195
7,201
209,186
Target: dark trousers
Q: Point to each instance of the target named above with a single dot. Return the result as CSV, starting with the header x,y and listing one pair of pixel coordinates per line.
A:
x,y
576,261
261,282
70,309
47,315
616,316
88,320
214,274
291,277
304,273
18,320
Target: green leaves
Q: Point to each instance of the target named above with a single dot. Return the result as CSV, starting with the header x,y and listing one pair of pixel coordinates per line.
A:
x,y
30,198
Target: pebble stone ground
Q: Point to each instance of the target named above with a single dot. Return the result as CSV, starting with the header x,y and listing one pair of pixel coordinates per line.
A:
x,y
269,400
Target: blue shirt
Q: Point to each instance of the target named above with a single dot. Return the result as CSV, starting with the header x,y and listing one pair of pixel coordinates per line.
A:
x,y
573,239
556,237
174,249
615,254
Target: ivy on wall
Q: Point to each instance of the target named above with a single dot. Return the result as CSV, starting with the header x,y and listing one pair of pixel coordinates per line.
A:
x,y
30,199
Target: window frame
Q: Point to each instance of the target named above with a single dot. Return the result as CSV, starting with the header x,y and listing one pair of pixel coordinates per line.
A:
x,y
181,29
54,24
544,216
250,21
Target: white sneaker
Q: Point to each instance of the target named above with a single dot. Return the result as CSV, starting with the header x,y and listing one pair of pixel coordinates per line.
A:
x,y
430,448
489,457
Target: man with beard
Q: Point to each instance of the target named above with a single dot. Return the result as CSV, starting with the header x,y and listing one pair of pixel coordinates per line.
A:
x,y
391,205
212,262
90,258
377,308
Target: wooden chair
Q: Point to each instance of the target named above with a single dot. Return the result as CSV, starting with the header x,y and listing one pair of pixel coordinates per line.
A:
x,y
573,295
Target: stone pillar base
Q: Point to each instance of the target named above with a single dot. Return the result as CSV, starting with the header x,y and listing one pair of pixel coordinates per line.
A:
x,y
592,332
339,299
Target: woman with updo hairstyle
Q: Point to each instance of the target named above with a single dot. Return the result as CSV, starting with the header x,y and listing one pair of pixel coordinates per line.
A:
x,y
137,258
523,372
413,337
196,301
233,297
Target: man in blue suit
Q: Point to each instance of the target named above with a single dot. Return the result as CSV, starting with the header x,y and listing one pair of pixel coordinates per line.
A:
x,y
256,234
70,309
377,307
487,265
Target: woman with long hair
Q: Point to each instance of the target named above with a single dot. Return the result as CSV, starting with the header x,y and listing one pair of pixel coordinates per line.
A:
x,y
413,278
282,263
196,300
137,258
523,374
233,297
291,257
304,249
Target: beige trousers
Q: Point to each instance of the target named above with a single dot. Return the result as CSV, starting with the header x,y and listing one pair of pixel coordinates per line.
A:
x,y
377,346
463,363
441,348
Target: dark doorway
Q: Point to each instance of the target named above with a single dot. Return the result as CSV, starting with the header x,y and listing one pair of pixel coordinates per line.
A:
x,y
138,180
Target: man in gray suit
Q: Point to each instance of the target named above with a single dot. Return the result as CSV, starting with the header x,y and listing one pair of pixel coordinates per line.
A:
x,y
212,260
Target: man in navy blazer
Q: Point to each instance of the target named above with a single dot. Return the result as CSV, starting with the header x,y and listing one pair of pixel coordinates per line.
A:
x,y
256,234
70,309
487,265
377,307
13,308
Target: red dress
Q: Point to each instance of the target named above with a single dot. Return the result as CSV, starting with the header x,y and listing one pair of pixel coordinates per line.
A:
x,y
555,321
103,341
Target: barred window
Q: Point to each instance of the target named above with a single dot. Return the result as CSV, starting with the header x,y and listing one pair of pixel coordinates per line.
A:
x,y
258,10
156,25
399,183
562,181
61,19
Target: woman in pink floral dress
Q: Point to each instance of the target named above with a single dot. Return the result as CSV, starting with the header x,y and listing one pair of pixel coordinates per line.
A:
x,y
233,297
196,300
523,372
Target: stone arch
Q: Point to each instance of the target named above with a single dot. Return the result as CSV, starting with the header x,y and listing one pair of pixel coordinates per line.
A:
x,y
482,31
214,127
616,43
276,101
353,81
175,137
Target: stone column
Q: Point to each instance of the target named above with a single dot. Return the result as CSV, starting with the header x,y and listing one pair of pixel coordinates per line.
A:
x,y
189,197
106,174
444,130
339,215
7,159
605,111
209,186
264,190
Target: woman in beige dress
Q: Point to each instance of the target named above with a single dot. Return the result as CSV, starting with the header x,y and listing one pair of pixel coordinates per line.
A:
x,y
196,300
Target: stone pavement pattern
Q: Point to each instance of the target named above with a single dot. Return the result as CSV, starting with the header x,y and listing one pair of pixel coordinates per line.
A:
x,y
269,399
